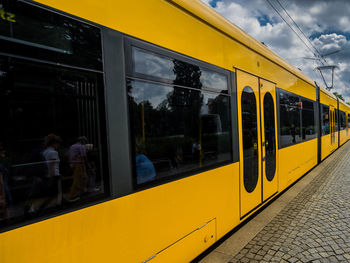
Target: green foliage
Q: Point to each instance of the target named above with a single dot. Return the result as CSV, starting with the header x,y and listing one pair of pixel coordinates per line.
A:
x,y
338,95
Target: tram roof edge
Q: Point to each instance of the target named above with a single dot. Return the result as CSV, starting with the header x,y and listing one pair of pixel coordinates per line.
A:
x,y
210,16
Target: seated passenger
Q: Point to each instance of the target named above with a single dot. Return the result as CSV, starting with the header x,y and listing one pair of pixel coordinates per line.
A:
x,y
145,171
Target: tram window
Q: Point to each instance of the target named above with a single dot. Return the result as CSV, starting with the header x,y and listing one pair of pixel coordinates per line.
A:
x,y
50,144
174,71
270,134
342,120
348,120
36,32
250,139
325,120
213,80
177,130
308,120
151,64
336,119
290,132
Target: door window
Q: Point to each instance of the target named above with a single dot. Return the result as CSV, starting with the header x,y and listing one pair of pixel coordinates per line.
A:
x,y
250,139
270,138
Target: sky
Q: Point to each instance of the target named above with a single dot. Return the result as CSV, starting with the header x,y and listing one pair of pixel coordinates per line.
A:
x,y
325,23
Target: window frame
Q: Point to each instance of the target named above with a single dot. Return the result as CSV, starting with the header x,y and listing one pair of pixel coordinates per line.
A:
x,y
129,43
300,98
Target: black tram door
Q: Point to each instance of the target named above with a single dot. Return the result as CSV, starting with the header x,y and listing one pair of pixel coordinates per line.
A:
x,y
258,140
268,138
248,104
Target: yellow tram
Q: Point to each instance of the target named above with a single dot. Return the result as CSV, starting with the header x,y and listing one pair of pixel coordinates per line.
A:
x,y
144,131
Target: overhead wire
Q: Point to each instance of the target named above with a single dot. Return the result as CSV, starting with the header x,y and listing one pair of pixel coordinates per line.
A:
x,y
319,57
318,52
274,8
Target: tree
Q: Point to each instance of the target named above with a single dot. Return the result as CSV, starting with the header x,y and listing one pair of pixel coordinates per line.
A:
x,y
338,95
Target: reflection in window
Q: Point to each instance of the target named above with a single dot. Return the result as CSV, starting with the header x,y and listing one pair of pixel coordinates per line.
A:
x,y
42,34
325,120
297,119
177,72
50,147
342,120
336,119
250,139
308,120
177,130
290,132
211,79
270,136
152,65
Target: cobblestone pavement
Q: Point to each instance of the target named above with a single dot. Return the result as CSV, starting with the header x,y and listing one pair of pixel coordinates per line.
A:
x,y
314,227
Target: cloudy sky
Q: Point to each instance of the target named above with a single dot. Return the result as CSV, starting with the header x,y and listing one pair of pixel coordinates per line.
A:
x,y
326,23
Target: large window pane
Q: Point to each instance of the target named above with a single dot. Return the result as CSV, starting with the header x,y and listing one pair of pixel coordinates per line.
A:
x,y
50,144
308,119
325,120
177,130
290,132
342,120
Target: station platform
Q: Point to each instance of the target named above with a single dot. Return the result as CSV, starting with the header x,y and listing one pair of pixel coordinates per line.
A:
x,y
310,222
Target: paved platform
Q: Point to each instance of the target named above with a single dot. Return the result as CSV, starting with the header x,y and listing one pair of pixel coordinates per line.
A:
x,y
308,223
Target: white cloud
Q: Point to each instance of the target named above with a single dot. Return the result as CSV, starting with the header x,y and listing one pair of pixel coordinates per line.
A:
x,y
326,21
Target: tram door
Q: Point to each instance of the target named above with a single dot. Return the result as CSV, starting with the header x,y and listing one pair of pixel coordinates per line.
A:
x,y
269,138
257,134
